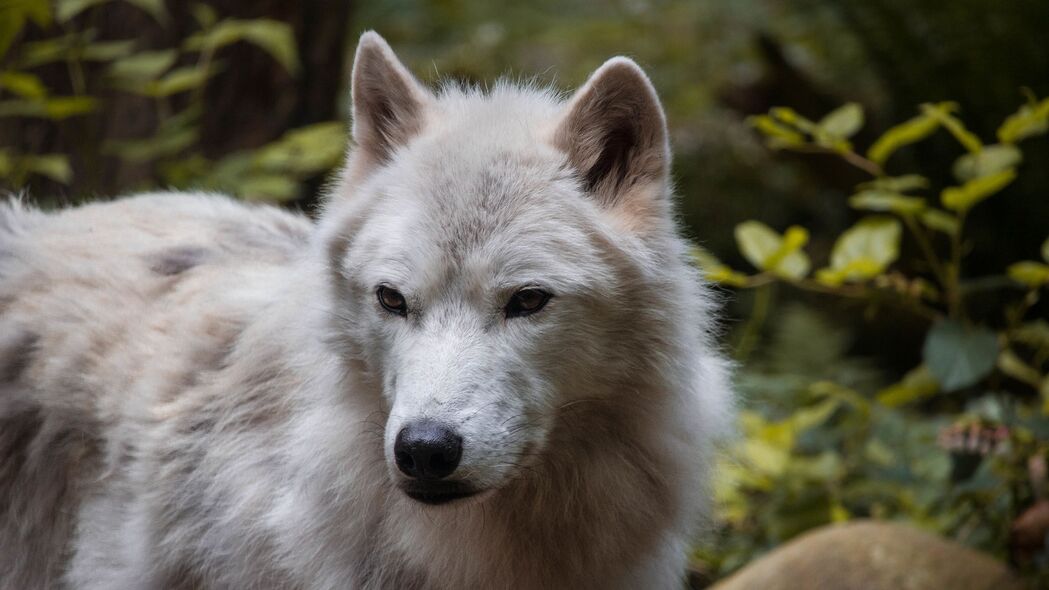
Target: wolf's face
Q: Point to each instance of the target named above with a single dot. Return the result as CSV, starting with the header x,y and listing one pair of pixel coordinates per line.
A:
x,y
485,263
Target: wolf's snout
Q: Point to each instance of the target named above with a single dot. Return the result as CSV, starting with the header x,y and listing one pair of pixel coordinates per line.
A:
x,y
427,450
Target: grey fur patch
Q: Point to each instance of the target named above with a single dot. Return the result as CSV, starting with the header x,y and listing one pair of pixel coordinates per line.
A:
x,y
177,260
16,356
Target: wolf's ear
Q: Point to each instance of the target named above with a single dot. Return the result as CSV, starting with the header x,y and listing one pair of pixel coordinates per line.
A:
x,y
615,135
389,105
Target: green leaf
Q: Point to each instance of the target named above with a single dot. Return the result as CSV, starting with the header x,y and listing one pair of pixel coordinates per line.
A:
x,y
107,50
716,271
146,65
767,250
881,200
15,13
966,196
155,8
990,160
176,81
267,187
53,166
792,118
897,184
958,356
940,221
1031,119
942,113
906,133
843,122
205,15
777,136
1030,273
1013,366
274,37
56,108
918,384
23,84
67,9
306,150
152,148
863,251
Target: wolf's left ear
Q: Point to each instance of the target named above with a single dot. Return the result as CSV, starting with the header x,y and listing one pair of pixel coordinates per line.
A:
x,y
615,135
389,105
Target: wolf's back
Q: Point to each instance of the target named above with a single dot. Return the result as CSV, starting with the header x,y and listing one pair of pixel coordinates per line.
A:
x,y
89,313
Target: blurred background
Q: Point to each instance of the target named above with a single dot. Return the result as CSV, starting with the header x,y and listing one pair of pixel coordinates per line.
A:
x,y
883,268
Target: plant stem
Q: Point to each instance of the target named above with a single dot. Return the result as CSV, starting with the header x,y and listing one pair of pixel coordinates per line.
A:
x,y
954,295
758,314
927,251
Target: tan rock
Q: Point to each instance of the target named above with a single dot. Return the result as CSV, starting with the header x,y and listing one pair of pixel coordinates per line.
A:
x,y
867,555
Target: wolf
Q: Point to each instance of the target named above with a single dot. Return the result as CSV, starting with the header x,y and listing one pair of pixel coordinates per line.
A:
x,y
489,363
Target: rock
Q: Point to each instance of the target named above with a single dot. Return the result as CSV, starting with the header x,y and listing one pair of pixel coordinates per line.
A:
x,y
867,555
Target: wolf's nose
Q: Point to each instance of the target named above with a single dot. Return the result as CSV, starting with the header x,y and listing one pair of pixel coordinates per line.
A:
x,y
427,450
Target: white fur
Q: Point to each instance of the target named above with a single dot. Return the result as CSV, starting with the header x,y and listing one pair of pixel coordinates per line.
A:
x,y
215,388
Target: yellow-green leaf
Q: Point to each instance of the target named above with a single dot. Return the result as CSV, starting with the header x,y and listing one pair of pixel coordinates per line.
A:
x,y
843,122
23,84
883,200
56,108
1030,273
716,271
792,118
1045,250
176,81
1013,366
274,37
145,65
990,160
778,136
896,184
962,198
54,166
942,113
767,250
940,221
107,50
906,133
305,150
863,251
918,384
1031,119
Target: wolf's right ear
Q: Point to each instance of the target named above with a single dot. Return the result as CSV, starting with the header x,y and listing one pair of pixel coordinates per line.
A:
x,y
389,105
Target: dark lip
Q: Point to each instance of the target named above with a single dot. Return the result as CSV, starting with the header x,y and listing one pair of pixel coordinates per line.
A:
x,y
438,492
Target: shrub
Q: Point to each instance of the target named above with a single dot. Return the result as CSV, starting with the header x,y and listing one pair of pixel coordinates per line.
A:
x,y
824,445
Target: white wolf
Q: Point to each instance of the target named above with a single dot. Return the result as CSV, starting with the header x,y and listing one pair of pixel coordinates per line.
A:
x,y
488,365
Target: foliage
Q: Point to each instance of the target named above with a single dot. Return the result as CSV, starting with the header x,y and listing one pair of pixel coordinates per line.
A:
x,y
172,79
948,445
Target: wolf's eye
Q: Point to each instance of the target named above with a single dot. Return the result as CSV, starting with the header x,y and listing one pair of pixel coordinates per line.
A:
x,y
392,301
526,302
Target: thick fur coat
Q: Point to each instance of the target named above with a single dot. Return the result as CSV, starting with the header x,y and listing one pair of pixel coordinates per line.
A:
x,y
197,393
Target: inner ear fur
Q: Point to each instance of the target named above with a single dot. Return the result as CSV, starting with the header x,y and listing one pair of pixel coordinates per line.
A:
x,y
389,105
614,134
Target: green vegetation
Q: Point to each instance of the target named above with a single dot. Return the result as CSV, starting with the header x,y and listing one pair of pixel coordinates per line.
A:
x,y
955,445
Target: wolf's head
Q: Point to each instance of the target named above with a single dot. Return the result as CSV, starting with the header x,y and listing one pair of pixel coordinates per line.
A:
x,y
500,267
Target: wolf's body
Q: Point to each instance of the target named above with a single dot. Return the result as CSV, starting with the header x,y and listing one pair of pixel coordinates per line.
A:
x,y
196,393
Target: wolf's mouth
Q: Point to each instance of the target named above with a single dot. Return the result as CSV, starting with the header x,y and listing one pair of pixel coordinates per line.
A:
x,y
438,492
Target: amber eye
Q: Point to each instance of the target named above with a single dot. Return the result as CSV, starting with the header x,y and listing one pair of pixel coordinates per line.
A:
x,y
526,302
392,301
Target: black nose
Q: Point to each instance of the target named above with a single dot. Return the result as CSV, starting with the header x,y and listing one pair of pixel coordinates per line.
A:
x,y
427,450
